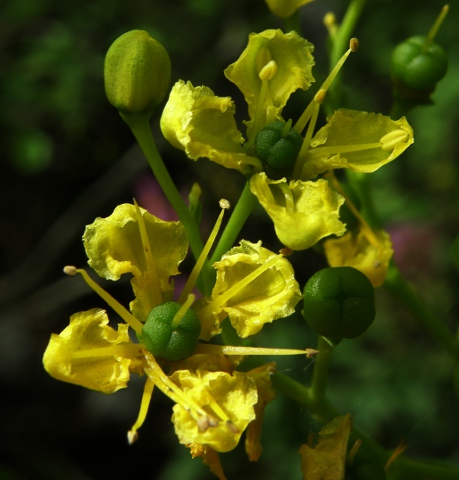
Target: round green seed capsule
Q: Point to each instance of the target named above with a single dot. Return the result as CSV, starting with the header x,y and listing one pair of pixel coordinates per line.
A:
x,y
339,303
416,67
163,340
278,146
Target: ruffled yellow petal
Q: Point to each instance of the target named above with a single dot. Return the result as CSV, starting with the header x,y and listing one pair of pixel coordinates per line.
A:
x,y
272,293
369,253
360,141
266,393
202,124
327,460
229,401
285,8
114,247
293,62
91,354
302,212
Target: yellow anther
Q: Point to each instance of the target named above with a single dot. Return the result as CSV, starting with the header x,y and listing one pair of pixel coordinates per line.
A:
x,y
225,204
354,44
268,72
392,139
263,58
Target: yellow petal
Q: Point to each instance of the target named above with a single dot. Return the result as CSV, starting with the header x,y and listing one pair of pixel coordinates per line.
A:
x,y
209,457
114,247
285,8
270,295
266,393
202,124
327,460
369,254
346,139
302,212
234,395
91,354
292,55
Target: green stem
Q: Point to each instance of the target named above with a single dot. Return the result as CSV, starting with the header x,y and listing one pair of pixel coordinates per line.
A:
x,y
241,212
340,43
404,468
322,410
400,288
321,367
293,23
140,127
345,31
400,109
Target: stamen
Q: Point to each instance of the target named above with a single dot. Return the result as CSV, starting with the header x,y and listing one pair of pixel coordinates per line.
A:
x,y
144,404
268,72
331,24
288,196
224,204
169,388
207,348
181,311
392,139
127,350
325,151
119,309
220,300
365,228
155,290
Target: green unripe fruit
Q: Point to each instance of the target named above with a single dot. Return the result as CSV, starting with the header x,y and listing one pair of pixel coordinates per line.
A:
x,y
339,303
137,73
416,67
166,341
277,145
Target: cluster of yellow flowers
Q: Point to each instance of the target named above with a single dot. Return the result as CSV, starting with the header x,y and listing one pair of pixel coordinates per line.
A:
x,y
214,401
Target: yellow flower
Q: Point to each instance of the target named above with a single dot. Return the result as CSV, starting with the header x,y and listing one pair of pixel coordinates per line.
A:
x,y
270,69
254,286
285,8
302,212
279,160
368,251
214,403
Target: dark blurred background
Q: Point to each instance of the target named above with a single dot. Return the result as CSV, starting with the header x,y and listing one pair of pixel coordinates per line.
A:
x,y
67,157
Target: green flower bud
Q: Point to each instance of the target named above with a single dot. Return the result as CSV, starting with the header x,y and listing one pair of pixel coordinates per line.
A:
x,y
164,340
137,73
416,67
339,303
277,145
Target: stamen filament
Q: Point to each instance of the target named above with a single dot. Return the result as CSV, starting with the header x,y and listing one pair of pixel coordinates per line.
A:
x,y
144,404
201,260
322,151
287,193
169,388
121,350
155,290
365,228
119,309
230,350
307,140
182,310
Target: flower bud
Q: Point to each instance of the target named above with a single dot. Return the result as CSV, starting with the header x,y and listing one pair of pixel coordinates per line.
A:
x,y
277,145
418,68
163,339
339,303
137,73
